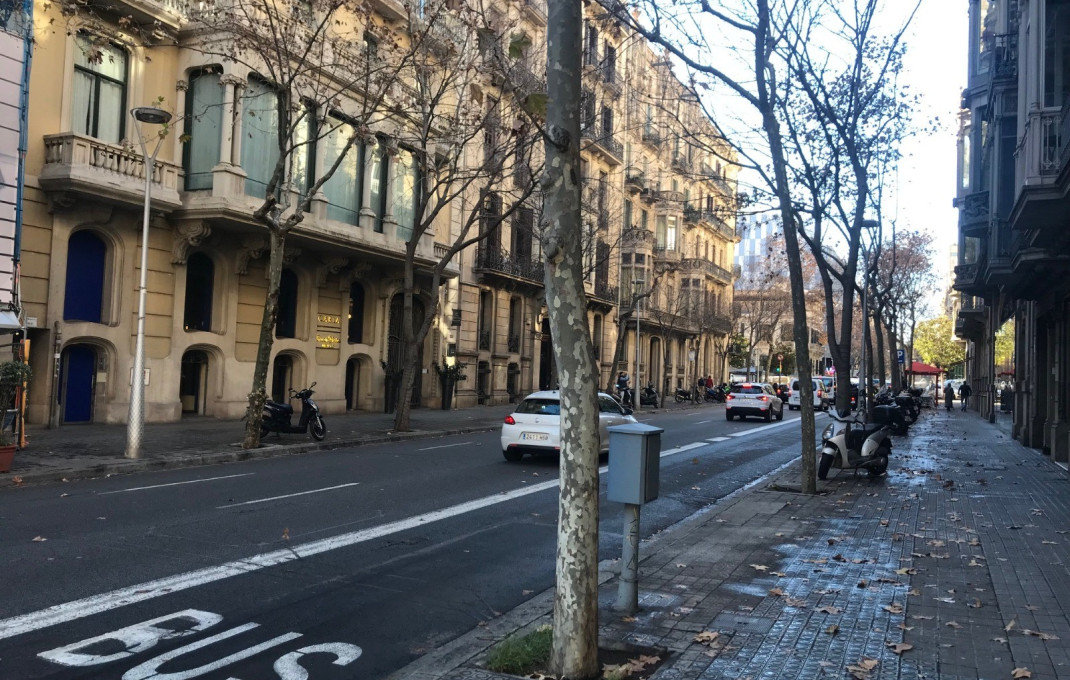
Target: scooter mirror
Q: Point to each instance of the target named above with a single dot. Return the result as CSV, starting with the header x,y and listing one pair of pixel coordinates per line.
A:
x,y
312,385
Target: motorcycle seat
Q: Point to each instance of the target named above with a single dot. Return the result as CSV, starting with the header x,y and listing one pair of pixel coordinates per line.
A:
x,y
860,433
284,408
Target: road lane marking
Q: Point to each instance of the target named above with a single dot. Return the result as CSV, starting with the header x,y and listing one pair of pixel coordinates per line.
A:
x,y
719,439
444,446
96,604
289,495
192,481
703,421
149,590
681,449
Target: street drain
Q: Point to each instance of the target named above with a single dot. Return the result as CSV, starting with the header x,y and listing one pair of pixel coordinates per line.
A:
x,y
742,624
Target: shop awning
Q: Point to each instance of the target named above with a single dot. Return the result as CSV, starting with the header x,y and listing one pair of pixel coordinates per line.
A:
x,y
9,320
919,368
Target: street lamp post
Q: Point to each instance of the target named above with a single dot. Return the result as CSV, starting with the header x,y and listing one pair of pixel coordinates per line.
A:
x,y
135,424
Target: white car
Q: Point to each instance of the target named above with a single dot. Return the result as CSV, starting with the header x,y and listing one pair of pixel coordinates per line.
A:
x,y
821,402
753,399
535,426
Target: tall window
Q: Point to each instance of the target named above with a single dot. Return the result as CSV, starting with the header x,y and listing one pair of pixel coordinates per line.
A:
x,y
99,89
380,163
406,194
204,122
490,221
200,279
286,320
83,298
303,158
345,187
670,233
627,222
660,233
259,144
1056,53
522,235
356,313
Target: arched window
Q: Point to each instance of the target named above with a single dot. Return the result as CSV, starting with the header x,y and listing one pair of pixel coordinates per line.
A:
x,y
200,278
356,313
83,298
286,320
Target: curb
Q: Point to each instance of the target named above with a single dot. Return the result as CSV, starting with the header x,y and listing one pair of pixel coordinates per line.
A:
x,y
190,459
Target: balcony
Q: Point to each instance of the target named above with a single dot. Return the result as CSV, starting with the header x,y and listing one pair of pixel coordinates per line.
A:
x,y
974,214
603,291
604,143
634,180
681,164
391,10
1044,175
970,322
495,261
452,269
692,215
651,137
80,165
611,81
522,80
665,255
167,14
534,11
636,238
967,278
1004,50
484,340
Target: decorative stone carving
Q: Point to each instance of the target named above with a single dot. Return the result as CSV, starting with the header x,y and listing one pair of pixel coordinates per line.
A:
x,y
252,248
290,255
329,265
188,235
359,270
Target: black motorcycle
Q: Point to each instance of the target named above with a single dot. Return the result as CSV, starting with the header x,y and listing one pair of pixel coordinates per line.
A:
x,y
277,416
681,395
649,397
715,394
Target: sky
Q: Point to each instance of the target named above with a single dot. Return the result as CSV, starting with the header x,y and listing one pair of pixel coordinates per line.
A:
x,y
935,64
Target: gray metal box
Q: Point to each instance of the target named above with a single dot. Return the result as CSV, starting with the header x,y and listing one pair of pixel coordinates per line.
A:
x,y
634,463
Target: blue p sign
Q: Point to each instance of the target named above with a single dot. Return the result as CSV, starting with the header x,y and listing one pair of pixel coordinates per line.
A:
x,y
901,355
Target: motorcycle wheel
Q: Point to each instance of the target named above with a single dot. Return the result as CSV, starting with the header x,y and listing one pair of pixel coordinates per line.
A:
x,y
264,430
879,469
825,465
318,429
679,399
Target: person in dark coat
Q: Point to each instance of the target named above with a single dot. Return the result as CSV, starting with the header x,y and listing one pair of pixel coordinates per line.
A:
x,y
964,395
949,397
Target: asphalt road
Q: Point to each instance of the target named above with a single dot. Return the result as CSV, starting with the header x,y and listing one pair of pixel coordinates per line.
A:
x,y
340,564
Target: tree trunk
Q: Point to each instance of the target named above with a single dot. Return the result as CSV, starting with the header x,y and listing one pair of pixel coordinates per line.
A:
x,y
574,653
254,413
878,331
766,90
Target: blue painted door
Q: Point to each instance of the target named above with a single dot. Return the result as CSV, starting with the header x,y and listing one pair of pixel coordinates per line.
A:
x,y
84,294
80,365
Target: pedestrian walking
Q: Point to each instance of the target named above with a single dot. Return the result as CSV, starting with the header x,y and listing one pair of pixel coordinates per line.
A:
x,y
949,397
964,395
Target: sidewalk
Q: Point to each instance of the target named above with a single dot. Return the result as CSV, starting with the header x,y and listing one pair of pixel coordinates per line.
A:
x,y
94,450
952,567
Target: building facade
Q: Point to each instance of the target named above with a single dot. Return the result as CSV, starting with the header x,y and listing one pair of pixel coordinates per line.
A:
x,y
1014,211
340,297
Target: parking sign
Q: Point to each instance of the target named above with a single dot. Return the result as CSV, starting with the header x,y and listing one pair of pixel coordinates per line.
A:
x,y
901,355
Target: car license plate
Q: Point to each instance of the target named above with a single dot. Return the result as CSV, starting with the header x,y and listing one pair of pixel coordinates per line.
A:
x,y
534,436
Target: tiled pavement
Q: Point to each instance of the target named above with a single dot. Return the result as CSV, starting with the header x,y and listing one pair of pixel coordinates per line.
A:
x,y
960,553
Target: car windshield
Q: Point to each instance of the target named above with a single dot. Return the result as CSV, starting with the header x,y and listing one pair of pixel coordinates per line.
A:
x,y
747,389
541,407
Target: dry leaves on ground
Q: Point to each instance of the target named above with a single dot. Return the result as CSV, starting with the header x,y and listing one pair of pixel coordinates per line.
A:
x,y
893,608
759,567
833,629
862,669
953,624
1021,673
629,667
899,647
706,637
39,539
829,610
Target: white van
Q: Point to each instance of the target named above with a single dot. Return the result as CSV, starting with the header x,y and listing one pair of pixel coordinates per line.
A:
x,y
821,401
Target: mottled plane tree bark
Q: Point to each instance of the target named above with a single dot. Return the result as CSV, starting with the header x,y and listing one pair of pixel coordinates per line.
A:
x,y
575,627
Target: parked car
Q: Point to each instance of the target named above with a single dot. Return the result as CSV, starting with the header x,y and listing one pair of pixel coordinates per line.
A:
x,y
829,382
753,399
534,427
821,402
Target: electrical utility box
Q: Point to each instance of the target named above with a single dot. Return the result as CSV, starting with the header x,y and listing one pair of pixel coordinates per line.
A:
x,y
634,463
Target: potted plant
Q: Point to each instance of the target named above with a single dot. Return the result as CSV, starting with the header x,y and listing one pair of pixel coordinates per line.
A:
x,y
13,375
449,375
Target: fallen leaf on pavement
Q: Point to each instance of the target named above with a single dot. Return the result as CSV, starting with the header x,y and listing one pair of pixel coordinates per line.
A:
x,y
913,591
921,617
794,602
706,637
1001,640
899,647
946,600
884,522
629,619
893,608
778,573
903,626
829,610
976,604
1021,673
833,629
776,592
17,481
1009,626
39,539
906,570
759,567
953,624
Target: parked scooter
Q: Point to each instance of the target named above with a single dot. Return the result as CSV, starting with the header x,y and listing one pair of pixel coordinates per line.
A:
x,y
849,444
649,396
681,395
277,416
898,412
715,394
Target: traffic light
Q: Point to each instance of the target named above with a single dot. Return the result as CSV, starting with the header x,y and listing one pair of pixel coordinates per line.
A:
x,y
778,368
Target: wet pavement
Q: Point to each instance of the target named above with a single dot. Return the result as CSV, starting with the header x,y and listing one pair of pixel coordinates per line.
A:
x,y
953,566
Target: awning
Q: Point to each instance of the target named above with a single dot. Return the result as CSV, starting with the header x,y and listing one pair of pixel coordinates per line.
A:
x,y
919,368
9,320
